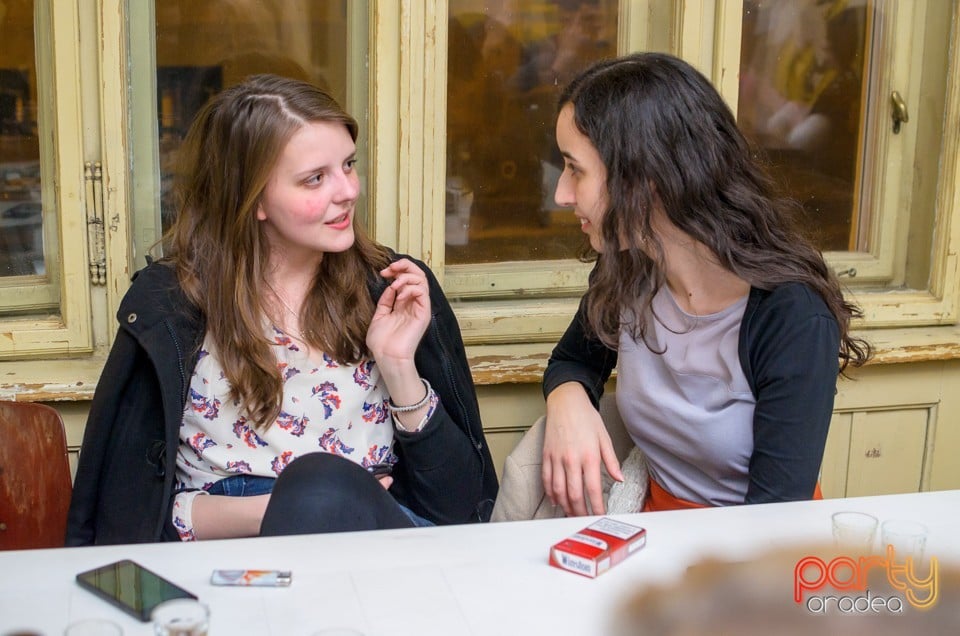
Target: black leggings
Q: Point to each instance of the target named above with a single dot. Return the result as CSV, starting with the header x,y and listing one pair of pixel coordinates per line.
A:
x,y
322,492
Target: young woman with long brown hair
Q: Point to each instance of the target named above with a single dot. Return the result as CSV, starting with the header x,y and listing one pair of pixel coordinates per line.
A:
x,y
277,371
727,328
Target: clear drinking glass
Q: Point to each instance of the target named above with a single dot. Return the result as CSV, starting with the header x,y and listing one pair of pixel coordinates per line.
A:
x,y
854,531
908,538
181,617
93,627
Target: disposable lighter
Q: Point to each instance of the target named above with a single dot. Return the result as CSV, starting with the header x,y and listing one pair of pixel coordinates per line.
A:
x,y
260,578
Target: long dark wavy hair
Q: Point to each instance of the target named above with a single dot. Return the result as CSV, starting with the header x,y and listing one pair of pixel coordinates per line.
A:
x,y
665,135
221,254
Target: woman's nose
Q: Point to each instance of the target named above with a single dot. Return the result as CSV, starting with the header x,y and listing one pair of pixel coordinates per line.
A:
x,y
349,187
563,195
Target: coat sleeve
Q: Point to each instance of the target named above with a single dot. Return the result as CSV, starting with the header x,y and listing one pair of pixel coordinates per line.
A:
x,y
84,501
446,472
123,487
579,358
795,365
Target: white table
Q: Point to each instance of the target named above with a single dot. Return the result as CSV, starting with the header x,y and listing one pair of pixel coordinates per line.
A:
x,y
475,579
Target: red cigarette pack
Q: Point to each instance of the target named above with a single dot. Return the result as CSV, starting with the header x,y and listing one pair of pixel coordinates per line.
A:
x,y
598,547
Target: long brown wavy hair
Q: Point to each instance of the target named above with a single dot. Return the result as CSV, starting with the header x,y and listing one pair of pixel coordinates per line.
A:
x,y
221,254
665,134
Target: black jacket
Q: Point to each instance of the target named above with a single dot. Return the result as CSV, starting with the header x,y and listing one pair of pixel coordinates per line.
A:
x,y
789,351
124,487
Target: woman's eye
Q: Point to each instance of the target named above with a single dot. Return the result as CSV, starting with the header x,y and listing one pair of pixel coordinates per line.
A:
x,y
314,179
350,165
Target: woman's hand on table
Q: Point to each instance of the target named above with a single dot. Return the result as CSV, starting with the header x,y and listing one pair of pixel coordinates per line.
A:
x,y
575,444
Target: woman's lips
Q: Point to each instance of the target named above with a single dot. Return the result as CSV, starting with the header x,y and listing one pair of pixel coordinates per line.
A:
x,y
342,222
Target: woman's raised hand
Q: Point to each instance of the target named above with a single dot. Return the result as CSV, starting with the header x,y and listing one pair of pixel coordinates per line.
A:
x,y
401,317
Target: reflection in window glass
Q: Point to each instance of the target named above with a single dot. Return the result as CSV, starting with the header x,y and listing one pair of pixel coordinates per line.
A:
x,y
507,63
204,47
802,74
21,213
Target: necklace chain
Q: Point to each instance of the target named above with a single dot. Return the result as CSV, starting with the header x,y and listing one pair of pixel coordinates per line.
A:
x,y
296,332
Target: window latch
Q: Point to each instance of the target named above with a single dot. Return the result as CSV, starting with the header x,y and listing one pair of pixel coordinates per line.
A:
x,y
900,114
96,235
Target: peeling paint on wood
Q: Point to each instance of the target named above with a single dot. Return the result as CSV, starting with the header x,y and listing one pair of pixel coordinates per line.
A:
x,y
46,392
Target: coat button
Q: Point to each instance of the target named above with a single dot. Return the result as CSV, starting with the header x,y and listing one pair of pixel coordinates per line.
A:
x,y
131,318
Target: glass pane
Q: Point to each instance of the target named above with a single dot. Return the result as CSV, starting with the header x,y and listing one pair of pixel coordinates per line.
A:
x,y
507,62
803,69
21,213
204,47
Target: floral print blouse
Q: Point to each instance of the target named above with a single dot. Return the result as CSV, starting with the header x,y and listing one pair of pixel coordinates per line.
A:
x,y
327,406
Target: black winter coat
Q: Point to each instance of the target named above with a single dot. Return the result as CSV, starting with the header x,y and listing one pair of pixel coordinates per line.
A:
x,y
124,487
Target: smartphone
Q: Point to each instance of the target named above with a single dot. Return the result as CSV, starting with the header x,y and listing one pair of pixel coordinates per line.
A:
x,y
131,587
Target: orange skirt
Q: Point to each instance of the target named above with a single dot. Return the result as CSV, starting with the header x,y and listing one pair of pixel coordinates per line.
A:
x,y
660,499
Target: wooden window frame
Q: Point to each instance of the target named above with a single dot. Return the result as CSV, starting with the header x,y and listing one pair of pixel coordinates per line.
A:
x,y
508,339
409,123
68,329
878,288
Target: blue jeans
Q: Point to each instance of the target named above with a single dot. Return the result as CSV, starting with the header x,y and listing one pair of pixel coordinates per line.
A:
x,y
251,485
242,486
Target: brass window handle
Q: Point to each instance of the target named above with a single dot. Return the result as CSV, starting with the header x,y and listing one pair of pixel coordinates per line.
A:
x,y
900,114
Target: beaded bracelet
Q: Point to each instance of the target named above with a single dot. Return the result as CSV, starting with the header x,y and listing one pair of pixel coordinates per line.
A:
x,y
413,407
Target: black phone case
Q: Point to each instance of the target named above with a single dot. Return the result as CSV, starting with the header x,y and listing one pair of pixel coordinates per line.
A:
x,y
142,613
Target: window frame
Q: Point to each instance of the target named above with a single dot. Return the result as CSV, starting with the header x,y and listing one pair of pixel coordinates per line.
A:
x,y
937,304
409,205
508,340
61,98
408,103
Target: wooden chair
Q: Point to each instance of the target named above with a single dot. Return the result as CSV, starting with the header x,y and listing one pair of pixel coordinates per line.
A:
x,y
35,482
